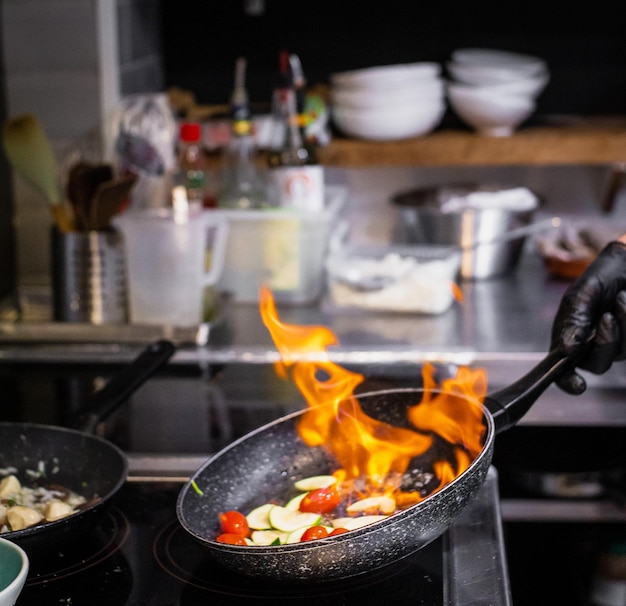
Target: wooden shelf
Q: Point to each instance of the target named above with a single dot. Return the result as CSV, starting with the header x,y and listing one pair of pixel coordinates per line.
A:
x,y
557,140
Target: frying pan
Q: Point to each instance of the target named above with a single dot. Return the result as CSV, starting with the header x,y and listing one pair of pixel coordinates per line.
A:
x,y
263,465
75,458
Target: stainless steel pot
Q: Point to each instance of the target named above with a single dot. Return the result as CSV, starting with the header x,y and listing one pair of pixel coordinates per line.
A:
x,y
477,232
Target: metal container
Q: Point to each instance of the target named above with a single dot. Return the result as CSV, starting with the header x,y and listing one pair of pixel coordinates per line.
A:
x,y
424,218
89,277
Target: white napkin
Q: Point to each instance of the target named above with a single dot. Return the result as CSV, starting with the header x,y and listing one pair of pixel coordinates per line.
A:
x,y
517,198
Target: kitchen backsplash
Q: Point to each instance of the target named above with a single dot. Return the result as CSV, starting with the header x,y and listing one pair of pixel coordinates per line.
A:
x,y
69,62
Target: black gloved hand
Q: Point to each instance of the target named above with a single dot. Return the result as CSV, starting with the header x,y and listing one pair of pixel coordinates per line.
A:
x,y
596,301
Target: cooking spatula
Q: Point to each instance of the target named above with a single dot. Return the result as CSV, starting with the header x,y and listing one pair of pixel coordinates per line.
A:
x,y
29,151
83,181
109,200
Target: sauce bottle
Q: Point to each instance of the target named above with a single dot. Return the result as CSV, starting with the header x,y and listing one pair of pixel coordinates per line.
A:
x,y
193,172
295,176
242,186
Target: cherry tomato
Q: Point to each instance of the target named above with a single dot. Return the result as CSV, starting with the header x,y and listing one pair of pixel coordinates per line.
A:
x,y
322,500
314,532
337,531
234,522
231,539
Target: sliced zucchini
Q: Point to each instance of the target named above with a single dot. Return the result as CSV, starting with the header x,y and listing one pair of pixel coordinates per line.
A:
x,y
296,535
258,518
267,537
288,520
294,503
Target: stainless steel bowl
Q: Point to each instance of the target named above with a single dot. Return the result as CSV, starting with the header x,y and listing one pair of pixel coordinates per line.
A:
x,y
423,219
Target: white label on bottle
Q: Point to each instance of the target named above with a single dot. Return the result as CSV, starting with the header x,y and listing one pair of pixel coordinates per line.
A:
x,y
299,187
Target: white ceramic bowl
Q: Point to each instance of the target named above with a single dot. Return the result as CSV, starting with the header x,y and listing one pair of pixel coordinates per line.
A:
x,y
13,572
531,86
475,75
420,91
491,115
499,59
381,77
388,123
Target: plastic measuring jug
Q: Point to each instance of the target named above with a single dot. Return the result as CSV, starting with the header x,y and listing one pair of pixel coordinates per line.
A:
x,y
170,260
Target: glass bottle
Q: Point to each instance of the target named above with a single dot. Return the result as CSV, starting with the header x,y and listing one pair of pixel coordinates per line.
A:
x,y
192,172
242,186
295,177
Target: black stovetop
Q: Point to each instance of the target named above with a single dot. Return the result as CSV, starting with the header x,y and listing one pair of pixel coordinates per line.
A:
x,y
140,555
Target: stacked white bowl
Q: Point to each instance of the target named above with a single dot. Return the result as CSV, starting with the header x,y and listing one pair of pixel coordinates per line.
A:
x,y
388,102
494,91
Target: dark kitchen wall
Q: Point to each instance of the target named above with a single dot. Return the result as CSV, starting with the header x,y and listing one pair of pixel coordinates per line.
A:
x,y
8,268
584,45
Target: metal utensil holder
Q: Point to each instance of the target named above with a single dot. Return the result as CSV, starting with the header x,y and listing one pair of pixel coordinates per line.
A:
x,y
89,277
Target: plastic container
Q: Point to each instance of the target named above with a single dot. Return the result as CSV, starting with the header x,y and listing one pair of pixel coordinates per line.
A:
x,y
404,279
283,249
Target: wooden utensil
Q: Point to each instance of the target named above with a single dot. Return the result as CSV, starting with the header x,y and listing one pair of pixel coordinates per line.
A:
x,y
30,153
83,181
108,201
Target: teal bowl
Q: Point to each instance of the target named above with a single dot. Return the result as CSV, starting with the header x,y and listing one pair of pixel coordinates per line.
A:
x,y
13,572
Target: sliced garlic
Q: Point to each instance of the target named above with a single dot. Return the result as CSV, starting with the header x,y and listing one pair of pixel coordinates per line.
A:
x,y
9,485
55,510
383,504
20,517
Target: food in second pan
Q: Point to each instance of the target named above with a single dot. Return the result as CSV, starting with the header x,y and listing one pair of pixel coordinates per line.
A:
x,y
25,506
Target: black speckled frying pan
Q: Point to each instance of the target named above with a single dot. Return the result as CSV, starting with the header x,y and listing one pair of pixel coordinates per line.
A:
x,y
75,458
263,465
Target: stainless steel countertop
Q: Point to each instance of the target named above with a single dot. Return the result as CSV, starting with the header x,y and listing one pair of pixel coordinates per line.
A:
x,y
502,325
500,318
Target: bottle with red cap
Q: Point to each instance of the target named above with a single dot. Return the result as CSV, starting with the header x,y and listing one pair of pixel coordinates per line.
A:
x,y
193,171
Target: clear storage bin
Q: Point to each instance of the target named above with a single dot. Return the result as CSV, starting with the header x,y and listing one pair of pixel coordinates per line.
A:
x,y
282,249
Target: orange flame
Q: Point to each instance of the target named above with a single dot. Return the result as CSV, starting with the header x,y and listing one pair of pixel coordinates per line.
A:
x,y
365,447
457,293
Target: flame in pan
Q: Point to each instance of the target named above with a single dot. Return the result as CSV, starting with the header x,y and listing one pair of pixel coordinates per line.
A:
x,y
365,447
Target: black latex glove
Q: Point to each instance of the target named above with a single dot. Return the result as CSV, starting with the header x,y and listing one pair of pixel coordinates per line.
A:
x,y
596,301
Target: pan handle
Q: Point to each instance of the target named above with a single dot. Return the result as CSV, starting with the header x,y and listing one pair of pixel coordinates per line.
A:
x,y
510,404
124,383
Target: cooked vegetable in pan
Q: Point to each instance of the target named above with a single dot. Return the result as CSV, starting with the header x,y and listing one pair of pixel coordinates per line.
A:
x,y
24,506
322,508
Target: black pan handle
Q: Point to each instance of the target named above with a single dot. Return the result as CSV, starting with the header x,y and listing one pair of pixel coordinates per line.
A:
x,y
510,404
124,383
